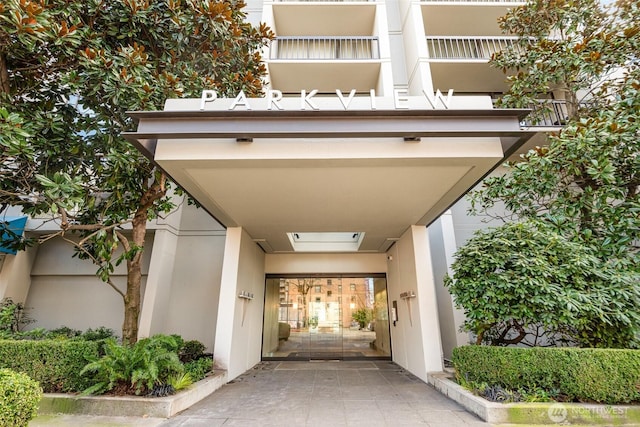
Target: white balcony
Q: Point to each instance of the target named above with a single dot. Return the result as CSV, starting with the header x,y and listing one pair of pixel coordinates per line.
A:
x,y
324,48
324,18
464,17
499,2
324,63
462,63
468,48
321,1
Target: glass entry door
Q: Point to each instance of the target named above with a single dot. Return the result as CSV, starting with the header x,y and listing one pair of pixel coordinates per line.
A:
x,y
327,318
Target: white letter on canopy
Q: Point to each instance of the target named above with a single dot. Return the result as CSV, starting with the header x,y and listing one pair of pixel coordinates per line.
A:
x,y
433,100
398,98
306,99
273,98
351,95
241,99
207,96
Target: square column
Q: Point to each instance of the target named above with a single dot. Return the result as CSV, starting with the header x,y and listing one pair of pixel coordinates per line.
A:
x,y
239,326
415,338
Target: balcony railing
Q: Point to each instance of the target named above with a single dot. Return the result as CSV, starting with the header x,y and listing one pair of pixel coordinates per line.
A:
x,y
547,113
323,1
470,1
468,47
319,48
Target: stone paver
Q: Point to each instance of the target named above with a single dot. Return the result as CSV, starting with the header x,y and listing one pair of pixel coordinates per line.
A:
x,y
327,394
310,394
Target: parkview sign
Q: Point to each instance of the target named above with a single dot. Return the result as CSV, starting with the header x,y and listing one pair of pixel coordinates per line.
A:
x,y
275,100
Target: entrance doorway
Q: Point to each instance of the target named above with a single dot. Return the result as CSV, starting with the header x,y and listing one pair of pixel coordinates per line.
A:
x,y
326,318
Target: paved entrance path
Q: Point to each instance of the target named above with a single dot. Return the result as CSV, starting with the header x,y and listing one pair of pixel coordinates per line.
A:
x,y
331,394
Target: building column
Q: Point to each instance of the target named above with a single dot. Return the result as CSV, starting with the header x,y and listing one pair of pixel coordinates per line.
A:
x,y
155,300
15,275
238,340
415,338
157,291
428,301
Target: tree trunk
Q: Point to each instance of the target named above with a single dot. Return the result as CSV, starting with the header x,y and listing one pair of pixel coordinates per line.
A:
x,y
132,299
572,104
4,74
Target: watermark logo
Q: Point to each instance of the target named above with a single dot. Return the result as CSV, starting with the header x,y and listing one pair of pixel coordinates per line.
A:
x,y
561,414
557,413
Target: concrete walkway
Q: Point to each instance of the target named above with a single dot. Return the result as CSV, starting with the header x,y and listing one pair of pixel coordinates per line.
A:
x,y
291,394
331,394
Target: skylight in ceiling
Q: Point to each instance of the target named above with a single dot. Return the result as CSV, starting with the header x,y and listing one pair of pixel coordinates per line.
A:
x,y
326,242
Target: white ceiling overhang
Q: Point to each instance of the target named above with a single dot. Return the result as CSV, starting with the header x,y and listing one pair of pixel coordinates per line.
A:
x,y
374,172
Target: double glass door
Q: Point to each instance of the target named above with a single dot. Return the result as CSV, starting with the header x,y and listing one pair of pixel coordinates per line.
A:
x,y
326,318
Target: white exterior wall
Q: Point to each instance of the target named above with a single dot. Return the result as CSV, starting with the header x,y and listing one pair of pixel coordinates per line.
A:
x,y
238,341
325,263
415,339
184,281
415,47
65,291
442,244
15,275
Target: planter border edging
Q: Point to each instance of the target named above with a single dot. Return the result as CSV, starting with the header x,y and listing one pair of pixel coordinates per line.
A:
x,y
550,413
134,406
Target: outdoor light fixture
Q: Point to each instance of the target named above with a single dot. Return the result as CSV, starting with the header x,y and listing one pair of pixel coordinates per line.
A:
x,y
408,296
245,297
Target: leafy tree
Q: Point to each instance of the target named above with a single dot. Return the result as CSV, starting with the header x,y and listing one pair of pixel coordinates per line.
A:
x,y
583,187
363,316
303,286
68,73
523,283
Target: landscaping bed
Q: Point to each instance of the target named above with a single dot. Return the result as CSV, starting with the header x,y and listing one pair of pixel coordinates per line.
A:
x,y
609,376
535,413
133,406
545,385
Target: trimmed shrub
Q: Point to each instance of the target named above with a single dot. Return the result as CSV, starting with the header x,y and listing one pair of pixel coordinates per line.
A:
x,y
573,374
19,398
55,364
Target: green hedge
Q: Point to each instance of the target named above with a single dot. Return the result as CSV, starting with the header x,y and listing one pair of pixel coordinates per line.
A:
x,y
55,364
19,398
576,374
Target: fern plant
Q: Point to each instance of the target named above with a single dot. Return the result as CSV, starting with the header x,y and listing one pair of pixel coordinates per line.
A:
x,y
137,368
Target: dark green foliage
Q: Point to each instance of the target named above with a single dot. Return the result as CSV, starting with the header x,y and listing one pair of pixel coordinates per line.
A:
x,y
191,350
63,332
580,192
98,334
19,397
498,394
55,364
519,279
198,369
136,368
162,390
572,374
12,318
